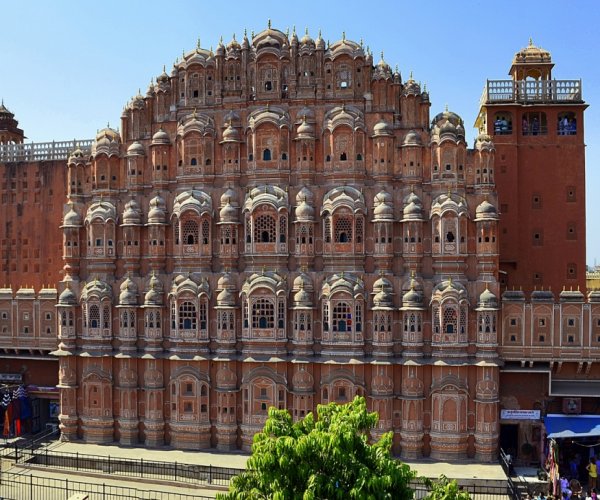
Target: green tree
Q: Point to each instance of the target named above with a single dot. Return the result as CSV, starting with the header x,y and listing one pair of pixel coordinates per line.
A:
x,y
445,489
327,458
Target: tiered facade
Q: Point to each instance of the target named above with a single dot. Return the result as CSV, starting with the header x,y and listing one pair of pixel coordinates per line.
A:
x,y
279,223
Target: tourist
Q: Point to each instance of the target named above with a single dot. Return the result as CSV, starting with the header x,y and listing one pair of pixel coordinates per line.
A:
x,y
592,472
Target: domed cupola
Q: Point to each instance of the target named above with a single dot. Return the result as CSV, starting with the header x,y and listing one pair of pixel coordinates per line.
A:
x,y
157,214
135,149
108,142
225,298
320,43
412,298
228,213
132,215
77,157
303,289
154,293
129,293
67,297
72,218
220,52
382,71
382,294
412,138
305,130
411,87
413,208
383,209
487,300
307,41
383,129
161,138
230,134
485,211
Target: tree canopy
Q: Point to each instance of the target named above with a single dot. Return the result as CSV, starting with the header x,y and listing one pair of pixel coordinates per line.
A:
x,y
329,457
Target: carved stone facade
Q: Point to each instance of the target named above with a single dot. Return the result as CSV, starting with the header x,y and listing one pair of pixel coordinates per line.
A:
x,y
280,223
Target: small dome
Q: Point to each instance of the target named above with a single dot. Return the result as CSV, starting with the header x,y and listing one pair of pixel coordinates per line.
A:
x,y
67,297
220,49
72,218
305,212
302,281
225,282
320,43
228,213
225,298
487,299
302,297
305,130
157,213
233,45
383,211
383,283
412,211
448,128
411,88
412,197
307,40
108,133
153,298
77,156
485,211
532,54
160,137
132,213
412,139
228,196
231,134
382,128
128,295
412,298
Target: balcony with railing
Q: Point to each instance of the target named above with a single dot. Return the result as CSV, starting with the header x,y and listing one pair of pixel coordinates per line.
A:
x,y
42,151
532,92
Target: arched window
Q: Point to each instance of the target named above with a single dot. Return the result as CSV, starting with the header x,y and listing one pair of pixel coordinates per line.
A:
x,y
567,124
187,316
450,320
263,314
343,157
267,155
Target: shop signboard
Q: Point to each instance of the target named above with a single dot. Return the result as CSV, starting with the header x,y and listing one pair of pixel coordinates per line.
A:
x,y
519,414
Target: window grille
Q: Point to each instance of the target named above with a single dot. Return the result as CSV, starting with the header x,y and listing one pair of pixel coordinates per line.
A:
x,y
205,231
342,317
264,229
343,230
263,314
187,316
190,232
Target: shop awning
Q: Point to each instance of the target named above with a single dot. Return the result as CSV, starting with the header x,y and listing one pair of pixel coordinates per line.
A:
x,y
568,426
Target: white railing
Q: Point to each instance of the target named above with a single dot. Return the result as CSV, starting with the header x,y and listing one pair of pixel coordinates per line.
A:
x,y
532,91
42,151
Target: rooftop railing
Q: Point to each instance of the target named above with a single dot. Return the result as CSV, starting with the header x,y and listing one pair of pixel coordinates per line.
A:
x,y
42,151
532,91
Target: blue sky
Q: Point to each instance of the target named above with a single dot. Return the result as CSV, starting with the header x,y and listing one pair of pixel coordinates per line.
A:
x,y
68,67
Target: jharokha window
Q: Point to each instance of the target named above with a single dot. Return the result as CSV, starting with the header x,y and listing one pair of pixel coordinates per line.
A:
x,y
263,314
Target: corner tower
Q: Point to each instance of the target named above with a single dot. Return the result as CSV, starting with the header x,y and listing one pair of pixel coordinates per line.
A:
x,y
10,133
537,125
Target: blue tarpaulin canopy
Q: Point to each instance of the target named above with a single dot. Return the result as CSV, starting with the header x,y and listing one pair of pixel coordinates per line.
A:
x,y
569,426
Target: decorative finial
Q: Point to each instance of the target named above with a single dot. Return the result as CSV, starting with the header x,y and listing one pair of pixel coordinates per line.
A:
x,y
164,68
198,43
382,55
361,41
530,42
446,108
287,32
245,33
306,30
269,24
343,36
252,34
411,75
234,37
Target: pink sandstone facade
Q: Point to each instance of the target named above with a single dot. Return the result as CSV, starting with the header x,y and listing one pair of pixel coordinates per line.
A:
x,y
281,223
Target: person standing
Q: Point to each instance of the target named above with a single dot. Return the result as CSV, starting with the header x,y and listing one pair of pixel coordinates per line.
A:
x,y
597,486
592,472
